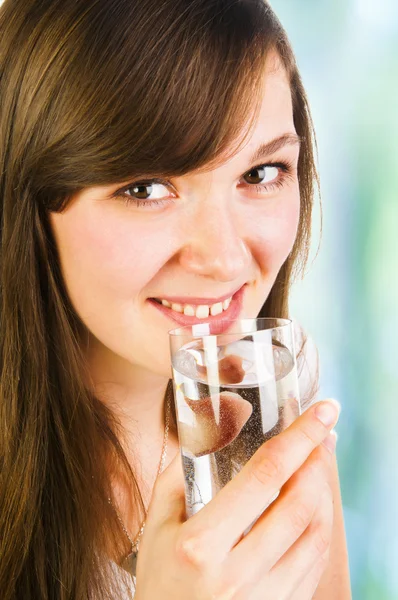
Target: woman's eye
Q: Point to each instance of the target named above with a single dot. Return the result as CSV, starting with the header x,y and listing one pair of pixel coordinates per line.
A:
x,y
263,174
145,193
148,191
266,178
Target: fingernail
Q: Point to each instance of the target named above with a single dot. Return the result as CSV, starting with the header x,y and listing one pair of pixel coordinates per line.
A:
x,y
330,441
328,411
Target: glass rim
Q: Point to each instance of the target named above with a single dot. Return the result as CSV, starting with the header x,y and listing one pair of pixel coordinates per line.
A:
x,y
187,329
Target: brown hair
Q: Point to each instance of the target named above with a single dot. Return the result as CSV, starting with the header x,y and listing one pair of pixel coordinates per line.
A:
x,y
94,93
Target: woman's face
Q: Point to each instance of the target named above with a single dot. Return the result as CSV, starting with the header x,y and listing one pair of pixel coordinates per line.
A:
x,y
205,235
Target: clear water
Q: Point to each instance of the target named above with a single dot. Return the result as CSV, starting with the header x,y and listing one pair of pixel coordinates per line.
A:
x,y
228,403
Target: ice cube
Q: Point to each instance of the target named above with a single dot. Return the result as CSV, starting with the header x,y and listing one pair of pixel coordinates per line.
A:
x,y
283,361
185,361
242,348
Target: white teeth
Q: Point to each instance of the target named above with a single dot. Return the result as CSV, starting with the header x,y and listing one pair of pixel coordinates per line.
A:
x,y
177,307
226,303
200,312
189,310
216,309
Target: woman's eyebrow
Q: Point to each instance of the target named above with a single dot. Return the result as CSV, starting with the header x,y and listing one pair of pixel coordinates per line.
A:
x,y
288,139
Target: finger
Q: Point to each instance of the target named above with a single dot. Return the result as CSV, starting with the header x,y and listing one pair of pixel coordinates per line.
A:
x,y
168,496
308,551
219,524
285,521
310,583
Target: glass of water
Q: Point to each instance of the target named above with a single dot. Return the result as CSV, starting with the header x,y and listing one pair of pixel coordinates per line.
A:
x,y
232,392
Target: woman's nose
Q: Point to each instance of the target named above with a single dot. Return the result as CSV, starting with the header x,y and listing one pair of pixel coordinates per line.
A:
x,y
215,248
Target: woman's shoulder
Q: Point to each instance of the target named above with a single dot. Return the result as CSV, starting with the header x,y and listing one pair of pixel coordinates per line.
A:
x,y
308,369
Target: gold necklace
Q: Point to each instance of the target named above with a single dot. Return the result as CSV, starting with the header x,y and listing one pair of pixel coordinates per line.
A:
x,y
129,563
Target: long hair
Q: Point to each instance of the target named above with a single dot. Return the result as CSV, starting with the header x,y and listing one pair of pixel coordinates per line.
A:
x,y
96,92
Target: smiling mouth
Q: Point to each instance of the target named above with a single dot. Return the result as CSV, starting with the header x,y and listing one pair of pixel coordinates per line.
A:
x,y
201,311
218,323
197,310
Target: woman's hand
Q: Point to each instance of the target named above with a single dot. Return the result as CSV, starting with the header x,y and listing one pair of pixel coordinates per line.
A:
x,y
206,558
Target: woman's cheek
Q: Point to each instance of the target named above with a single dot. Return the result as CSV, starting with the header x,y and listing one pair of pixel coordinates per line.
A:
x,y
275,234
118,256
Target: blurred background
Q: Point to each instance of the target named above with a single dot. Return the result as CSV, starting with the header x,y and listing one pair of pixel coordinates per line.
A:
x,y
347,51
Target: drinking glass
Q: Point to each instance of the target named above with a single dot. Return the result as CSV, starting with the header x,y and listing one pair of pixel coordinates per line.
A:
x,y
232,392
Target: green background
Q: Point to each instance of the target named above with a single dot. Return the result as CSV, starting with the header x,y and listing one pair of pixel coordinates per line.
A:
x,y
347,51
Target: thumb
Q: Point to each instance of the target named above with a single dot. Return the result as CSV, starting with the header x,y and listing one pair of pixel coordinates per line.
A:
x,y
168,495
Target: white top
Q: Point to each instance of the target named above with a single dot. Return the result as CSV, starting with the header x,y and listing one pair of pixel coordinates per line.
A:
x,y
307,367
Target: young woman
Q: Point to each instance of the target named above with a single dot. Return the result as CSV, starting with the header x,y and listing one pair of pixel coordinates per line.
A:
x,y
150,151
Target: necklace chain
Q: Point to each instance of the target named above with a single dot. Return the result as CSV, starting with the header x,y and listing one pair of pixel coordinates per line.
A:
x,y
135,542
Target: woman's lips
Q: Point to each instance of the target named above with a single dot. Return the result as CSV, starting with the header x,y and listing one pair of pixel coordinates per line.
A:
x,y
218,324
